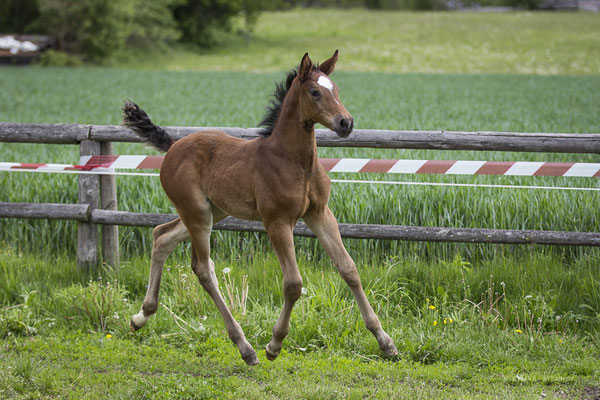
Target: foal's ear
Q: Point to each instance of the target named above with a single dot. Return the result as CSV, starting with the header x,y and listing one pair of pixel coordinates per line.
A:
x,y
305,67
328,65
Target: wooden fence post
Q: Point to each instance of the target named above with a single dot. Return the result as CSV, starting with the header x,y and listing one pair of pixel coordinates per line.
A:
x,y
108,201
87,233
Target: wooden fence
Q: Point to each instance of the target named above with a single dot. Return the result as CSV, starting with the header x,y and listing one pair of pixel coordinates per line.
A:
x,y
97,194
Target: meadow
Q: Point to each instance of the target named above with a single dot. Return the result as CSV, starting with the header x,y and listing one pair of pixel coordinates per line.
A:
x,y
470,321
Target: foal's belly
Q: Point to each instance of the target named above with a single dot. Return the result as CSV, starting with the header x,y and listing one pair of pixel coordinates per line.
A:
x,y
234,200
238,208
243,204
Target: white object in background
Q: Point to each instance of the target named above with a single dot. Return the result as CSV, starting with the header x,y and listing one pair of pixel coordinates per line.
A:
x,y
15,46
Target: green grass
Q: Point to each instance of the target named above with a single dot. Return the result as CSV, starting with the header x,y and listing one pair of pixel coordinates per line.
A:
x,y
455,325
440,42
470,321
384,101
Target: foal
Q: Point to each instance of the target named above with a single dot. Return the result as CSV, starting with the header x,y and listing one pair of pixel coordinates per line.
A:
x,y
276,179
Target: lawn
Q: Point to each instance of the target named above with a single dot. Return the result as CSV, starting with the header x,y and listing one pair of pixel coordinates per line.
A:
x,y
470,321
490,330
389,41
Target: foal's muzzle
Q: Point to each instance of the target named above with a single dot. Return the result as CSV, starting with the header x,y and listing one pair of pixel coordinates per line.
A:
x,y
343,125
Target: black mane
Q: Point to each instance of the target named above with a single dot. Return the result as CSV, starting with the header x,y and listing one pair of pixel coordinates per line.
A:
x,y
274,107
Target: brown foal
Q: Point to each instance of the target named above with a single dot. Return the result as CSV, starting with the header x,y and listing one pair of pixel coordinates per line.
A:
x,y
276,179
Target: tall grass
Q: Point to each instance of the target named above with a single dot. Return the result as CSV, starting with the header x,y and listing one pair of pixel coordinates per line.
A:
x,y
428,307
385,101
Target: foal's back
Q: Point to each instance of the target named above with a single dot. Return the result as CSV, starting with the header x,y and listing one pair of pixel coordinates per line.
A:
x,y
216,166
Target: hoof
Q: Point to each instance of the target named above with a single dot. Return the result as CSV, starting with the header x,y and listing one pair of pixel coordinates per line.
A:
x,y
390,351
138,321
134,327
251,359
271,355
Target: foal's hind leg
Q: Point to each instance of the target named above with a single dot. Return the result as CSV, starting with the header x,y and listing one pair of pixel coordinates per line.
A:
x,y
282,238
165,238
324,225
198,218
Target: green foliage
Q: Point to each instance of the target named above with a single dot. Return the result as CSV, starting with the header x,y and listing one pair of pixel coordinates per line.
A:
x,y
17,16
153,22
19,319
93,28
198,20
100,305
56,58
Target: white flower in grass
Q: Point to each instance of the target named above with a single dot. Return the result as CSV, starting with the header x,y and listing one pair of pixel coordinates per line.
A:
x,y
226,270
304,290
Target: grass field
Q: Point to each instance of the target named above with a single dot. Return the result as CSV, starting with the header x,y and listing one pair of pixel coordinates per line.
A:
x,y
494,330
525,43
470,321
412,101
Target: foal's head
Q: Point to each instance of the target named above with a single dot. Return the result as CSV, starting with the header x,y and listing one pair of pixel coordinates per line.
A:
x,y
319,97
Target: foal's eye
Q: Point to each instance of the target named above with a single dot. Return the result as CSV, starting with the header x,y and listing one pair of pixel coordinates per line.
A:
x,y
314,93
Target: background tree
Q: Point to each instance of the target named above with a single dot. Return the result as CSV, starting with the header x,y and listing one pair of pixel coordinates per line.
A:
x,y
93,28
16,16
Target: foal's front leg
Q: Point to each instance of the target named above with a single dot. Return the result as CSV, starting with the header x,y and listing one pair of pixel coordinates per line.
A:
x,y
282,238
324,225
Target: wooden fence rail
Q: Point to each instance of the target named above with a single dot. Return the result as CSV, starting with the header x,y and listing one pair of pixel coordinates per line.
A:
x,y
84,213
97,195
436,140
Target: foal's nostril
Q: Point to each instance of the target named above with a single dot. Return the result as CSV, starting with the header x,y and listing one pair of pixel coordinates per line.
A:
x,y
343,126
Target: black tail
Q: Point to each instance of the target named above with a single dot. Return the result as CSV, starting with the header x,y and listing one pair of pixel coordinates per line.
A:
x,y
138,121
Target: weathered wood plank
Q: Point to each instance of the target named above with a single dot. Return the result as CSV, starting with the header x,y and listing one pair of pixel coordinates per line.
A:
x,y
469,235
87,233
371,231
126,218
483,141
116,133
108,201
350,231
437,140
76,212
43,133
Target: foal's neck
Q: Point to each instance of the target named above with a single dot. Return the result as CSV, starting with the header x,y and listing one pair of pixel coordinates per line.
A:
x,y
294,133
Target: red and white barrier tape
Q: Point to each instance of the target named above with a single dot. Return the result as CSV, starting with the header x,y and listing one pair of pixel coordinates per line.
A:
x,y
107,164
520,168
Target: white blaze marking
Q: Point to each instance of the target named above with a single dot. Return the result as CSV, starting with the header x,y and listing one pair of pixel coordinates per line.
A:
x,y
327,84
